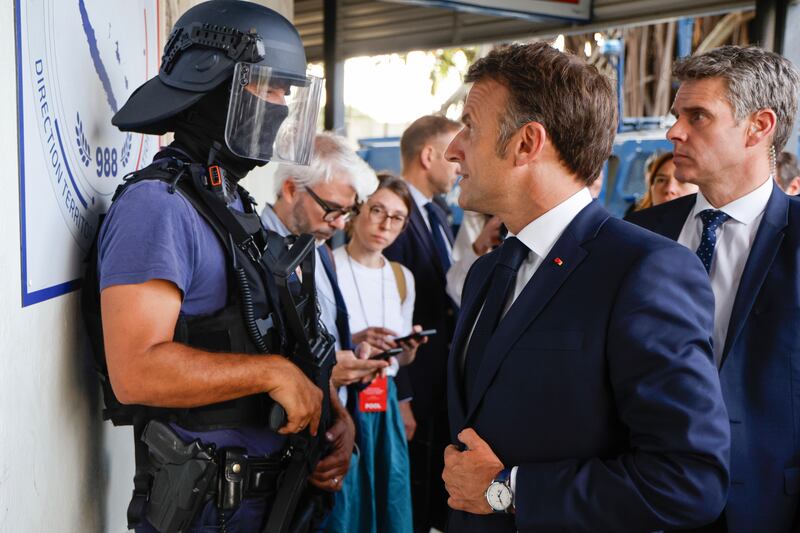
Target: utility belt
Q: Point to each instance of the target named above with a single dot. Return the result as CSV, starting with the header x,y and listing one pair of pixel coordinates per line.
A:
x,y
186,476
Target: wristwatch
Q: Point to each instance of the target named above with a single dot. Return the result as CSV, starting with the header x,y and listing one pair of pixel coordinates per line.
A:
x,y
499,494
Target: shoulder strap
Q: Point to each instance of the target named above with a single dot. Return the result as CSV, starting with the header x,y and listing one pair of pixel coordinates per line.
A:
x,y
400,279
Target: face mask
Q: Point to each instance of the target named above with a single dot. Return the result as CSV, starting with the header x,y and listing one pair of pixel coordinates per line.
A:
x,y
260,129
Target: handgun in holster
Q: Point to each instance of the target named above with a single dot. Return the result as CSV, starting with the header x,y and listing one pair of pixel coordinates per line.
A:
x,y
183,475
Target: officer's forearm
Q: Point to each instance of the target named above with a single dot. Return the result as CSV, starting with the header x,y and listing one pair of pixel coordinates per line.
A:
x,y
174,375
147,368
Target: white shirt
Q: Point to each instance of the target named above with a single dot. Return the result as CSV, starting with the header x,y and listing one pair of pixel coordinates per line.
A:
x,y
375,289
734,240
540,236
420,200
463,254
372,296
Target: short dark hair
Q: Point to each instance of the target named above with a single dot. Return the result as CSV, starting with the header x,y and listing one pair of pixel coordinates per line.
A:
x,y
755,78
421,131
787,169
572,100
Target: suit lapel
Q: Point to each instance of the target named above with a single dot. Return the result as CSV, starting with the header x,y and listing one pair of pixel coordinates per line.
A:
x,y
424,236
545,282
671,221
765,246
470,306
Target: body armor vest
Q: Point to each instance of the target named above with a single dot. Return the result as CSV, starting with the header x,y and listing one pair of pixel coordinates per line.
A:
x,y
250,322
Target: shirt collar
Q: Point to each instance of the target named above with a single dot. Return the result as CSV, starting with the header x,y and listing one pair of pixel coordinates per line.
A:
x,y
419,198
745,209
542,233
271,221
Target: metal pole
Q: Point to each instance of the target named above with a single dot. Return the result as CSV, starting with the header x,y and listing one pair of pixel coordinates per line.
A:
x,y
769,26
621,83
334,69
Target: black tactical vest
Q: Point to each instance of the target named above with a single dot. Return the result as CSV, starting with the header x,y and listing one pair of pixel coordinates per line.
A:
x,y
251,321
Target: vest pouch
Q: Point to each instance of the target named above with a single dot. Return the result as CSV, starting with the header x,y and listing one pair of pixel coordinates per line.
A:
x,y
183,473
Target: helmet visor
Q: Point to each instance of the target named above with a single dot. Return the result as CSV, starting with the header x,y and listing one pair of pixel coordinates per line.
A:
x,y
272,117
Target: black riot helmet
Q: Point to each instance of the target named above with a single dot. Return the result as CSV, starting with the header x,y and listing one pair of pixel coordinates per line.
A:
x,y
252,55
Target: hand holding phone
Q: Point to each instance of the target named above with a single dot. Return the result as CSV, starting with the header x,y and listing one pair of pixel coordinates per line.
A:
x,y
384,356
416,335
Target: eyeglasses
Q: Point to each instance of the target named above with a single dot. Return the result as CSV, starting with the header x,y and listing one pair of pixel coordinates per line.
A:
x,y
333,213
377,215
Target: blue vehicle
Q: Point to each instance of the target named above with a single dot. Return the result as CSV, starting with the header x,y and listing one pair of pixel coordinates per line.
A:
x,y
625,170
381,153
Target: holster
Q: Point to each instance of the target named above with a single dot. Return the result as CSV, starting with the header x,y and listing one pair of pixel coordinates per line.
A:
x,y
241,476
182,476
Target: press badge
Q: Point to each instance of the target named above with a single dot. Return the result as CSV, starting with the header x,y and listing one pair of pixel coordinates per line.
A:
x,y
373,398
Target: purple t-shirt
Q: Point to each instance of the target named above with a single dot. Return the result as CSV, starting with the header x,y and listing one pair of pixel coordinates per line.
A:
x,y
152,234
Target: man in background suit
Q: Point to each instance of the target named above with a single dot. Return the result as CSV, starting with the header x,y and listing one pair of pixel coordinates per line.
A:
x,y
735,109
426,249
581,390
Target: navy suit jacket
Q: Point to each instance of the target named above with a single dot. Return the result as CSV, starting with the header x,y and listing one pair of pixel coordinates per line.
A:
x,y
760,370
599,385
424,379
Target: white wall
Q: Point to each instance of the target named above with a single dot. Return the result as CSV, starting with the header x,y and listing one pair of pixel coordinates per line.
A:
x,y
61,468
53,469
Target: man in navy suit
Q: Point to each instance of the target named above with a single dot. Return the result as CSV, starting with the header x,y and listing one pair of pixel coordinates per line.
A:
x,y
426,249
735,109
581,389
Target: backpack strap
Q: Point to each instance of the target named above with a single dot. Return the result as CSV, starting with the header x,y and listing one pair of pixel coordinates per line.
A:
x,y
400,279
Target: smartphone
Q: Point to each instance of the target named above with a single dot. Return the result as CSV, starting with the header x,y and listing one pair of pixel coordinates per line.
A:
x,y
387,354
417,336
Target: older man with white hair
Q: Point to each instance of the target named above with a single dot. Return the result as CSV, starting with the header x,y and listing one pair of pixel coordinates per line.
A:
x,y
319,199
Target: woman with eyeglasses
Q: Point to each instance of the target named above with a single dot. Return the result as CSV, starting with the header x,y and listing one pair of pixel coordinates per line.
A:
x,y
376,495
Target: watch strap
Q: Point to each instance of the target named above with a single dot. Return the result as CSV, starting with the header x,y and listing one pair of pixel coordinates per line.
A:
x,y
504,477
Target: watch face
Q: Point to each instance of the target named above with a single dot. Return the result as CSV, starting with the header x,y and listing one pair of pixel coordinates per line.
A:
x,y
499,496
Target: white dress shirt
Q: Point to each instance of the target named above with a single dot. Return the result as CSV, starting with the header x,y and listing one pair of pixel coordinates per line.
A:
x,y
734,240
463,254
540,236
420,200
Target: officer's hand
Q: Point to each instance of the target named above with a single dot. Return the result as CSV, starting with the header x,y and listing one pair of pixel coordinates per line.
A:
x,y
380,339
330,472
350,369
299,397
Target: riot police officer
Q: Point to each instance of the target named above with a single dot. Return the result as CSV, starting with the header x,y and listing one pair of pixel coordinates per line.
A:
x,y
182,299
